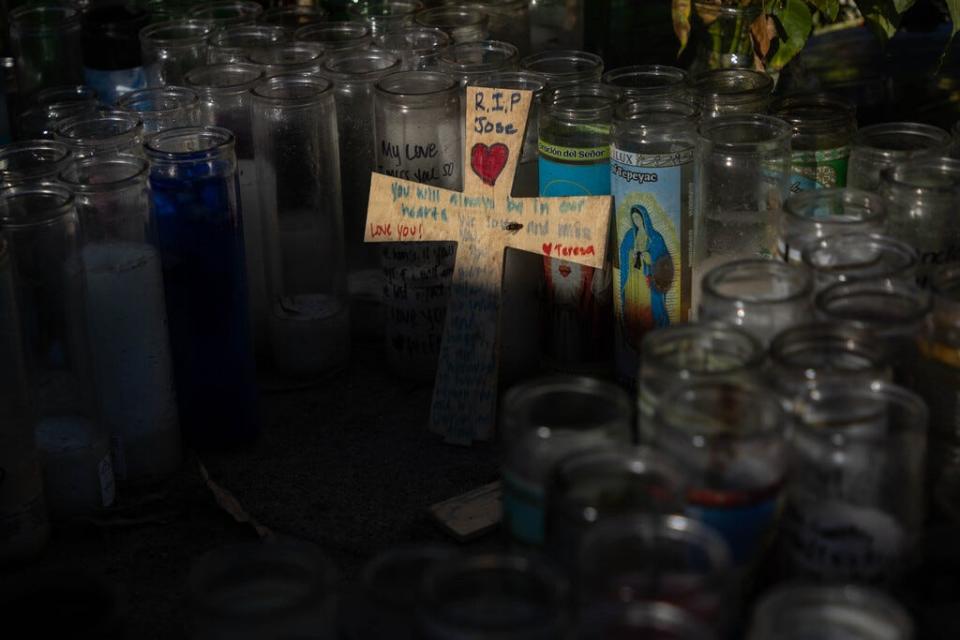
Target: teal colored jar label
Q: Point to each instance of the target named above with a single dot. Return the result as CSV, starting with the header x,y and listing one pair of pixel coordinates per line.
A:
x,y
523,510
572,171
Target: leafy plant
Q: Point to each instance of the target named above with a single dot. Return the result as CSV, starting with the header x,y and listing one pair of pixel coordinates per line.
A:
x,y
782,27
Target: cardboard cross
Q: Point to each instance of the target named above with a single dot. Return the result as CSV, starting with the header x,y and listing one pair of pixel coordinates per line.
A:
x,y
483,219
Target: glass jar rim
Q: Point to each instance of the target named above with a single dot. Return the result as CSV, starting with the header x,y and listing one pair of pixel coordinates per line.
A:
x,y
581,101
291,10
838,336
431,17
171,98
71,16
72,129
28,149
661,74
782,272
504,50
59,204
835,430
435,83
909,258
521,400
920,300
803,205
674,415
654,345
774,129
243,9
810,113
65,93
926,138
344,30
201,78
134,169
222,38
362,8
585,62
303,52
211,142
375,64
523,80
916,177
721,84
395,555
163,33
672,111
307,90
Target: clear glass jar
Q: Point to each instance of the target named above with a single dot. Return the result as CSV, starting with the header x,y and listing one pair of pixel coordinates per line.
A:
x,y
295,134
544,420
720,35
258,590
234,44
564,66
646,81
810,216
53,105
194,170
470,61
225,95
642,620
45,39
495,597
825,354
729,436
336,36
850,257
163,108
595,485
881,146
744,178
462,23
691,352
574,145
418,48
418,110
651,180
171,49
385,16
106,132
509,20
922,197
894,310
288,57
292,18
654,558
125,316
762,296
22,509
855,501
796,612
227,13
32,160
39,220
732,91
112,61
823,126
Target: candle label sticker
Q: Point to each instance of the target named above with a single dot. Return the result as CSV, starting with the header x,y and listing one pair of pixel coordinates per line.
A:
x,y
822,169
483,219
744,520
651,261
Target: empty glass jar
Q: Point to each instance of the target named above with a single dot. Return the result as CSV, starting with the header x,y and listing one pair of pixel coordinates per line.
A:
x,y
564,66
292,18
385,16
881,146
45,39
336,36
105,132
720,35
163,107
469,61
732,91
813,215
418,48
648,81
859,256
234,44
52,106
227,13
171,49
32,160
288,57
823,126
462,23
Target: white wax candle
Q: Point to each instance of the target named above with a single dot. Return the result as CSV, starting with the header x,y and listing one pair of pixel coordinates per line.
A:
x,y
77,468
310,334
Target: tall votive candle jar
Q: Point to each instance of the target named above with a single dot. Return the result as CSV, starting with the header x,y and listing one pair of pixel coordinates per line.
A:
x,y
648,81
336,36
469,61
882,146
162,108
463,23
509,20
171,49
288,57
53,105
32,160
227,13
810,216
823,126
45,39
849,257
234,44
418,48
385,16
564,66
112,60
732,91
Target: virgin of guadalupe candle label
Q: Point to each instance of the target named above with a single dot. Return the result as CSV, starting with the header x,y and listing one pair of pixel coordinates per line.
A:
x,y
820,169
651,272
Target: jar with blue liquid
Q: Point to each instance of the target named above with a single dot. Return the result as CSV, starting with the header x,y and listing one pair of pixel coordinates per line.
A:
x,y
112,62
196,222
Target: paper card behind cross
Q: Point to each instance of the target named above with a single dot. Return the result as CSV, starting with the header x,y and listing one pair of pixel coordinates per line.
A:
x,y
483,219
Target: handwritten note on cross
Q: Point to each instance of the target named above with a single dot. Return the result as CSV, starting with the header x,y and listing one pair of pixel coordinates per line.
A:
x,y
484,219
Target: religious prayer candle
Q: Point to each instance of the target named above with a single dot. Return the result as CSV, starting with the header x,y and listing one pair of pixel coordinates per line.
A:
x,y
575,160
288,57
171,49
461,22
418,128
651,179
336,36
648,81
732,91
126,318
53,105
234,44
385,16
890,144
417,47
469,61
45,42
823,126
564,66
810,216
193,183
107,131
509,20
849,257
31,160
163,108
295,133
112,62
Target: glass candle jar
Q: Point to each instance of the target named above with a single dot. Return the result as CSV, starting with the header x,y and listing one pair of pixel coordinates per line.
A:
x,y
53,105
112,61
469,61
729,436
288,57
193,171
894,310
418,110
823,126
461,22
385,16
565,66
641,620
32,160
922,197
125,315
825,354
496,597
732,91
45,41
545,420
646,81
254,590
744,169
163,108
763,297
171,49
292,18
594,485
881,146
794,612
720,35
234,44
227,13
574,144
651,179
106,132
859,256
654,558
811,216
225,94
295,134
509,20
855,501
336,36
691,352
418,48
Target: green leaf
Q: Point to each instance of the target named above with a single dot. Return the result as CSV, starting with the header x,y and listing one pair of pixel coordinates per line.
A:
x,y
828,8
902,5
954,7
795,24
882,16
681,22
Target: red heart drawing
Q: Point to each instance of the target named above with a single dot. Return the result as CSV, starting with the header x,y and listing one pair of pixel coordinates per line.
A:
x,y
488,162
564,270
547,248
